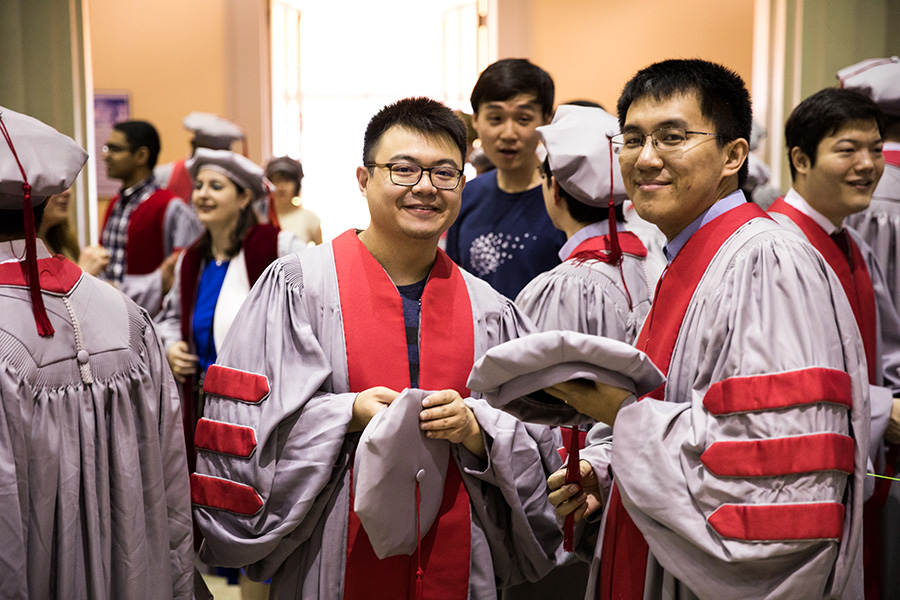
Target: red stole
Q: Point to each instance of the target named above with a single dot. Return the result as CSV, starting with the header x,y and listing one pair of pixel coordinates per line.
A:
x,y
57,275
852,273
144,241
597,247
180,183
623,559
375,339
260,248
892,157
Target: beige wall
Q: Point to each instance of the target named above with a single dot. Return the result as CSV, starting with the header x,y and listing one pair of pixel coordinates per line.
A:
x,y
177,56
591,48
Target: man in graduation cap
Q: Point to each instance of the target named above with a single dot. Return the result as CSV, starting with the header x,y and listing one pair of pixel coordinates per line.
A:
x,y
144,227
207,131
743,475
601,286
326,341
834,146
94,483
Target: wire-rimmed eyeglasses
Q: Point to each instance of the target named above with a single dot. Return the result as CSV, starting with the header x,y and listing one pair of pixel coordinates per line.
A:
x,y
664,139
443,177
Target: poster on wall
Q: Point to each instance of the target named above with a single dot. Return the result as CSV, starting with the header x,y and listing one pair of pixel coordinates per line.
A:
x,y
109,108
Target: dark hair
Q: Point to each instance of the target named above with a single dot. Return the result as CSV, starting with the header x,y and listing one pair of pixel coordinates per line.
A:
x,y
585,103
723,96
246,220
891,132
60,239
12,222
288,175
511,77
581,212
422,115
141,134
823,114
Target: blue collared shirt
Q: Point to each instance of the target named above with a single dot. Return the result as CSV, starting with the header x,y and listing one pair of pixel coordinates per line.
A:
x,y
732,200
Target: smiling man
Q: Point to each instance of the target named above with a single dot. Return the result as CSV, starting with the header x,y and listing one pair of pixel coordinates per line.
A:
x,y
741,477
834,145
503,233
332,335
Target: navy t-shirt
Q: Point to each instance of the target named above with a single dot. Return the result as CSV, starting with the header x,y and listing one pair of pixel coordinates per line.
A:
x,y
505,239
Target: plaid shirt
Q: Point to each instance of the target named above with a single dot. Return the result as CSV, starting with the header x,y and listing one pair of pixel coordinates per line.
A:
x,y
115,233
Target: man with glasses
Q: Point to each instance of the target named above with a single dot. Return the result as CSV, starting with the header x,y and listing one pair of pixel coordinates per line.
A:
x,y
741,477
327,340
145,226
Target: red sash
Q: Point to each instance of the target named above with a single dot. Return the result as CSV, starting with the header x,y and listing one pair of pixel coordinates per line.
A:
x,y
180,183
892,157
852,273
144,241
623,558
597,247
375,338
57,275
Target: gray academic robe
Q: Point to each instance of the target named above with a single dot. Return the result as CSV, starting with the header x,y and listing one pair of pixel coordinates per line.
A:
x,y
767,304
879,226
94,500
588,297
290,331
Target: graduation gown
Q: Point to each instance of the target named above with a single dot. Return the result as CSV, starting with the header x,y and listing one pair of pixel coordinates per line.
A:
x,y
288,500
95,501
590,296
708,473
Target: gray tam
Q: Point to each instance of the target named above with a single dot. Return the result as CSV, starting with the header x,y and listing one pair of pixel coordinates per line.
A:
x,y
513,375
879,78
51,160
239,169
578,148
212,131
393,454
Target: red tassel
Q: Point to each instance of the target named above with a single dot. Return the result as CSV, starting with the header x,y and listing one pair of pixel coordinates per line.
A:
x,y
573,475
420,574
29,269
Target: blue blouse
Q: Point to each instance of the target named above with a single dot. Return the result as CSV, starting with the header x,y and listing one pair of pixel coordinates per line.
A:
x,y
204,310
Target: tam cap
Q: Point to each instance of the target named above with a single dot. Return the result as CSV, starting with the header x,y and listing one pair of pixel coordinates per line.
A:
x,y
239,169
577,146
285,164
36,161
51,160
513,375
392,456
212,131
878,78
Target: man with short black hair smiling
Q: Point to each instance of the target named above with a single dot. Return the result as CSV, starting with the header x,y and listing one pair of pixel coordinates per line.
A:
x,y
321,350
835,151
742,476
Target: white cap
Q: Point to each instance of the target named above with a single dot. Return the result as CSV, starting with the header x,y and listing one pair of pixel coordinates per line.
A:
x,y
212,131
879,78
50,159
578,148
239,169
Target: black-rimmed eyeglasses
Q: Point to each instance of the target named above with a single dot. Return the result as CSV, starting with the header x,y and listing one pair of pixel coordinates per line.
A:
x,y
664,139
409,174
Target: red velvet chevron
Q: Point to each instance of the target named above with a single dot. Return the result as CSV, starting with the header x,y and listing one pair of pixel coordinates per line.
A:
x,y
779,522
225,438
235,384
780,456
778,390
225,495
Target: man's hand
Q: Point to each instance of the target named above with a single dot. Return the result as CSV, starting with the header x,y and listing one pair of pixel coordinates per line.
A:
x,y
446,417
369,403
892,434
570,498
168,271
182,362
597,400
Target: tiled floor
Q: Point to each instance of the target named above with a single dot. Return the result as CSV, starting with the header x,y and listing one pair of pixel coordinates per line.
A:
x,y
220,589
